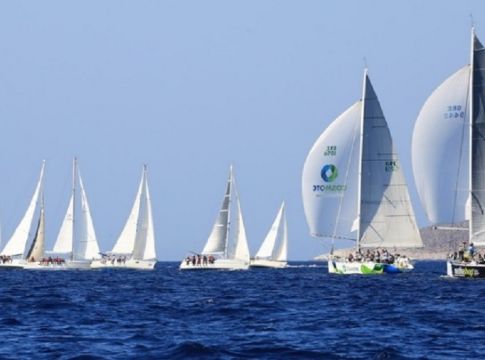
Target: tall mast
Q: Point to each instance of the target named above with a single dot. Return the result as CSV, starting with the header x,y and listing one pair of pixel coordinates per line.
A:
x,y
470,145
74,166
231,183
361,149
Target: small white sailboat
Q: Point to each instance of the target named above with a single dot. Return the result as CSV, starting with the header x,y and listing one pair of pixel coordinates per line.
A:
x,y
76,245
448,150
354,188
226,247
15,253
135,247
273,252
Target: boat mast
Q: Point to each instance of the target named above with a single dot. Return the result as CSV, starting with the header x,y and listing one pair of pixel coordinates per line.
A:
x,y
470,145
74,165
361,149
228,212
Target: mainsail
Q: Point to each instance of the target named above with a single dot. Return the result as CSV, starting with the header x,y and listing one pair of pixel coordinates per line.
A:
x,y
477,174
274,246
228,235
36,251
17,244
216,243
352,180
386,213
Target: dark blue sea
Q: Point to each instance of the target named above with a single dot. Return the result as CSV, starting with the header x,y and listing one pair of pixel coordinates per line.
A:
x,y
297,313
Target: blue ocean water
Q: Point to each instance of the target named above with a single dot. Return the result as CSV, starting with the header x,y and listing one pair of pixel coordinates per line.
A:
x,y
297,313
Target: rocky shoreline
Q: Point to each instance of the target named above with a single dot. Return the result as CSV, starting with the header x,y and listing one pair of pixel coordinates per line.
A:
x,y
438,242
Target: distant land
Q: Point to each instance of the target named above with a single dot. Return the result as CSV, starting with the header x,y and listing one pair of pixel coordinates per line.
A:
x,y
438,242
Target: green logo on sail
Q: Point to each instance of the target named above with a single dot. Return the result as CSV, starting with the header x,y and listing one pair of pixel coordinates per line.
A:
x,y
329,173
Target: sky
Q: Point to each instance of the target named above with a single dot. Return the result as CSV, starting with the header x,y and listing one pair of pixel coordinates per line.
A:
x,y
190,87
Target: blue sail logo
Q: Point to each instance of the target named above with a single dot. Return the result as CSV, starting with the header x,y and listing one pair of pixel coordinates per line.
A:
x,y
329,173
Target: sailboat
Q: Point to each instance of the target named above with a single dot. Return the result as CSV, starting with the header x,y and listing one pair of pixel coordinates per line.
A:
x,y
354,188
448,153
76,245
273,252
227,247
15,253
135,247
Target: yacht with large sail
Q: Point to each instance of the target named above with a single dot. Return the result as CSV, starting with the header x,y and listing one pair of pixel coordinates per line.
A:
x,y
227,247
354,188
76,245
135,247
273,252
448,154
22,246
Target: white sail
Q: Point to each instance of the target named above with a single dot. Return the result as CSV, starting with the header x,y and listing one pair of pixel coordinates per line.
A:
x,y
150,252
274,244
18,242
144,245
477,148
241,244
126,240
63,244
330,174
36,252
281,254
386,213
86,247
440,150
216,243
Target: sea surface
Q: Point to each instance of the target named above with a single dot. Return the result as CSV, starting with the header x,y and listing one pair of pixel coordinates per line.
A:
x,y
300,312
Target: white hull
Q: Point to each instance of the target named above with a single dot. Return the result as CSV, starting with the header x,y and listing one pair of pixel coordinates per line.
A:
x,y
78,264
338,266
13,264
128,264
266,263
66,265
219,264
43,266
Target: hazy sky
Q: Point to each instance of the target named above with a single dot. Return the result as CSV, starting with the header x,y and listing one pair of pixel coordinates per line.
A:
x,y
190,87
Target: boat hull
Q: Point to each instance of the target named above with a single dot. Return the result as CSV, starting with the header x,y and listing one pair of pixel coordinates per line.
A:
x,y
459,269
362,267
13,264
128,264
54,266
78,264
266,263
43,266
219,264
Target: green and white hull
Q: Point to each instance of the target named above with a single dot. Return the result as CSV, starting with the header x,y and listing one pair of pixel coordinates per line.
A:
x,y
354,267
